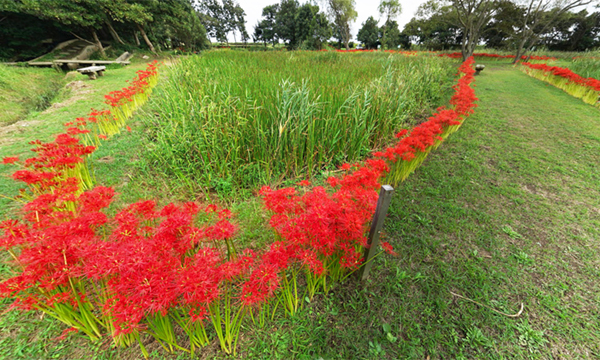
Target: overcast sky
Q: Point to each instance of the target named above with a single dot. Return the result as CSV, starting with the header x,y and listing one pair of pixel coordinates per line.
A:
x,y
364,8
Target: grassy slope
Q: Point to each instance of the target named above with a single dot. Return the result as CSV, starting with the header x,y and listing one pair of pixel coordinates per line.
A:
x,y
25,89
505,212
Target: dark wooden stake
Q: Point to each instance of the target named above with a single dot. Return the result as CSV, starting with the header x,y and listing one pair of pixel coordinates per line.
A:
x,y
385,196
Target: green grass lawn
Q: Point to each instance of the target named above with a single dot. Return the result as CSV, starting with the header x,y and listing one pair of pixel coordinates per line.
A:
x,y
506,212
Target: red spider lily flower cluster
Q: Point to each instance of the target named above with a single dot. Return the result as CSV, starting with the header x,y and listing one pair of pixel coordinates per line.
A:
x,y
139,84
458,55
413,147
148,269
322,226
567,74
588,89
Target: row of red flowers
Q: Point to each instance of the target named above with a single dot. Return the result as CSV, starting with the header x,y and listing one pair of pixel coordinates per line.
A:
x,y
150,270
567,74
458,55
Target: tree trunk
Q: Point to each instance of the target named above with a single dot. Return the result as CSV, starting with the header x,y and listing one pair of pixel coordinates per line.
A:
x,y
137,39
98,43
520,50
113,32
146,38
347,39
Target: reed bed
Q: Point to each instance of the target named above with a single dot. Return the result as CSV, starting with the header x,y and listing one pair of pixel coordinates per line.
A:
x,y
587,66
253,118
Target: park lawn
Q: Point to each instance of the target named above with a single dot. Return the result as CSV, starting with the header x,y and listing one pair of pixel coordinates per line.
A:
x,y
505,212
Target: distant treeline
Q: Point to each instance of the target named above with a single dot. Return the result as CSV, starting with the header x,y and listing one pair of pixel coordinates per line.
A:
x,y
560,25
28,27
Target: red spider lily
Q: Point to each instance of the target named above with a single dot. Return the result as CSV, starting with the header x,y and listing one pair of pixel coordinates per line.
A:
x,y
10,160
388,248
567,74
458,55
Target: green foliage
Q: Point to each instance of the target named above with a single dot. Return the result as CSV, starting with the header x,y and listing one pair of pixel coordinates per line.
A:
x,y
391,9
265,30
390,35
434,26
500,32
253,118
318,34
369,33
171,23
298,26
574,32
222,17
286,24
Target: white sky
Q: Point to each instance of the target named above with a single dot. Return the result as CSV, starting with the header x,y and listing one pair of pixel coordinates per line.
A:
x,y
364,8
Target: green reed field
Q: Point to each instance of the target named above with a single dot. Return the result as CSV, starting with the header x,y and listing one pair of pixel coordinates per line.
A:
x,y
587,66
228,118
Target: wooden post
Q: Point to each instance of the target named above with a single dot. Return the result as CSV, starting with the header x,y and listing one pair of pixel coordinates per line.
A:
x,y
385,196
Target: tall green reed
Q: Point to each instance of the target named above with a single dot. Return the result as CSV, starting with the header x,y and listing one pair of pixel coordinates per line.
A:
x,y
253,118
587,66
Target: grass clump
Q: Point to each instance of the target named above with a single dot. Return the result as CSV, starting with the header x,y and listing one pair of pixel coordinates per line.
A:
x,y
228,119
25,89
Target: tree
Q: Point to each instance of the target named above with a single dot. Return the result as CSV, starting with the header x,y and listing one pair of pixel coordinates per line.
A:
x,y
169,21
233,19
259,33
268,24
320,32
390,35
391,9
83,14
539,16
434,26
285,23
342,13
222,19
176,23
500,31
369,33
304,20
584,34
473,15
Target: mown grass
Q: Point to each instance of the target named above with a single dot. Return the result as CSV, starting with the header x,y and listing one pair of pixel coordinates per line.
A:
x,y
231,119
23,90
506,212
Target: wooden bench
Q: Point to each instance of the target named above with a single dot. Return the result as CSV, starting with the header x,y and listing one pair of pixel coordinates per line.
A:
x,y
92,71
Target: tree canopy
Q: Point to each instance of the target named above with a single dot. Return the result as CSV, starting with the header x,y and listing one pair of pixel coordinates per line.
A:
x,y
167,23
